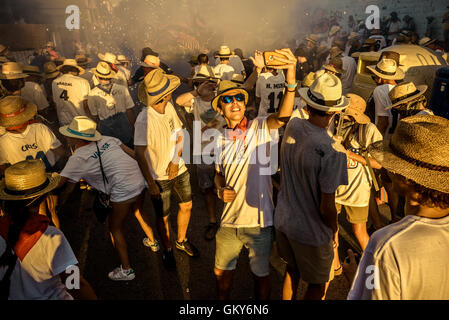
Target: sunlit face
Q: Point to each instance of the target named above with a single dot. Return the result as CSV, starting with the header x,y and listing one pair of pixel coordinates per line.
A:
x,y
233,111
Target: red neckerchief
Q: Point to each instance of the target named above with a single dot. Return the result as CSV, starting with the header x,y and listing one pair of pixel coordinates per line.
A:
x,y
239,132
113,67
32,231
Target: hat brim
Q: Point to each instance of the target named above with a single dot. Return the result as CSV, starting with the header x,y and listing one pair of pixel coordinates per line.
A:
x,y
431,179
399,75
63,130
422,89
428,43
13,76
52,75
148,100
360,118
311,40
84,63
333,69
53,179
214,101
81,70
109,76
101,57
28,114
344,103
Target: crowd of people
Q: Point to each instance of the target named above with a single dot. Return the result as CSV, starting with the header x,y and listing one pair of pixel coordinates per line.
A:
x,y
67,124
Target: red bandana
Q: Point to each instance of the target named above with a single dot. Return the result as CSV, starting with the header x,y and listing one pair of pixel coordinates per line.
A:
x,y
32,231
239,132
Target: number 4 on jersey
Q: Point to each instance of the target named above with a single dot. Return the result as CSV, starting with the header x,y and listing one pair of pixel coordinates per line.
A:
x,y
64,95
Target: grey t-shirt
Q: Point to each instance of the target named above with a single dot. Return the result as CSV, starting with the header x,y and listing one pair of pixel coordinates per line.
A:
x,y
309,166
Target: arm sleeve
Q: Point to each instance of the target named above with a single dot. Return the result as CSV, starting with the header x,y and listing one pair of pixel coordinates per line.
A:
x,y
140,133
49,139
73,169
381,101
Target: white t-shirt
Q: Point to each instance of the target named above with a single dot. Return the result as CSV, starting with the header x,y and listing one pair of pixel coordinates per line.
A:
x,y
34,93
357,192
37,276
105,105
69,92
224,71
246,166
382,101
235,62
350,67
36,142
205,114
270,90
125,180
158,133
411,259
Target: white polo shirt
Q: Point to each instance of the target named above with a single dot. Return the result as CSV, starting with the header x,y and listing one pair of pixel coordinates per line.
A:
x,y
105,105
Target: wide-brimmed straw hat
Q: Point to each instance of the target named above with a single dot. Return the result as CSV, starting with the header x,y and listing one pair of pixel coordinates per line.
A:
x,y
225,86
426,41
224,52
82,59
335,65
312,38
50,70
325,94
310,78
334,30
27,180
151,61
387,69
83,128
122,58
32,70
418,151
14,111
103,70
405,92
335,52
156,85
71,63
356,108
12,70
108,57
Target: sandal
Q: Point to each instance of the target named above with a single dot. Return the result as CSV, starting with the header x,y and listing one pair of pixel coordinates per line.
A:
x,y
338,271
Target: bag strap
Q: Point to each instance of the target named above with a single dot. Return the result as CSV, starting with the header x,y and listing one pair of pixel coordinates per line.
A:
x,y
105,180
6,281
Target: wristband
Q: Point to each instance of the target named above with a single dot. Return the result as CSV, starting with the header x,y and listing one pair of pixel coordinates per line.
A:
x,y
291,86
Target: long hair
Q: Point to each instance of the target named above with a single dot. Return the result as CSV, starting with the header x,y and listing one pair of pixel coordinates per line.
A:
x,y
19,212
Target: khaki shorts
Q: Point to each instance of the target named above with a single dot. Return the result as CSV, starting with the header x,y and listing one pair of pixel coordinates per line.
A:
x,y
314,264
354,215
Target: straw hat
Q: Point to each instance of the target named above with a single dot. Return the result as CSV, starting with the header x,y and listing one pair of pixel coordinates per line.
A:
x,y
32,70
418,150
14,110
335,52
405,92
387,69
27,180
312,38
12,70
151,61
238,78
108,57
426,41
157,85
369,42
82,59
103,70
205,72
72,63
121,58
50,70
224,87
82,128
325,94
334,30
224,52
311,77
356,109
335,65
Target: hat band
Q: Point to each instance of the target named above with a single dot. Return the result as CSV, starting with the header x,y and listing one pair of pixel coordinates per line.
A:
x,y
405,97
12,72
418,163
103,74
11,115
28,192
327,103
155,93
81,134
385,72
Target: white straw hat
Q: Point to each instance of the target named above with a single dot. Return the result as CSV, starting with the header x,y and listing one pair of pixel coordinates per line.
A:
x,y
83,128
387,69
108,57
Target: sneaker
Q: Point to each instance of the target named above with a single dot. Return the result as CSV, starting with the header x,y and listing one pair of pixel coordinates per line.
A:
x,y
154,246
187,247
168,259
120,274
211,230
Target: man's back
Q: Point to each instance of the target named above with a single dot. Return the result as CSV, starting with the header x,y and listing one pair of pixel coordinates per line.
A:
x,y
411,259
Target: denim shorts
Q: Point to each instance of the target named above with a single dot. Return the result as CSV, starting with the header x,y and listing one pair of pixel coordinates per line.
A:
x,y
180,185
258,241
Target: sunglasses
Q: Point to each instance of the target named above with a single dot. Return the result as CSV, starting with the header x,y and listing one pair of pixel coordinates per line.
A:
x,y
228,99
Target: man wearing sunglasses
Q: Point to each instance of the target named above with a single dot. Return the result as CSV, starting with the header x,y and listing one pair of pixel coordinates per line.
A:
x,y
243,181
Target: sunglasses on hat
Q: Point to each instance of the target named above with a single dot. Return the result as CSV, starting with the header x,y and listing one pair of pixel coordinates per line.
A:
x,y
228,99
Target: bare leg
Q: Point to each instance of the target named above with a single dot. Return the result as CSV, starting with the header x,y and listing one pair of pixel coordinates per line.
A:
x,y
183,219
116,220
163,229
143,218
291,282
361,234
224,281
